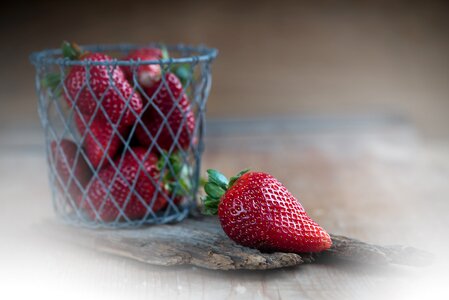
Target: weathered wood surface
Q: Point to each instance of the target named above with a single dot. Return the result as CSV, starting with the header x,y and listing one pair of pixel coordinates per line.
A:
x,y
345,248
201,242
376,183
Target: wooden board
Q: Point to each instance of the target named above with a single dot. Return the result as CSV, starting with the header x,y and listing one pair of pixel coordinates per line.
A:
x,y
201,242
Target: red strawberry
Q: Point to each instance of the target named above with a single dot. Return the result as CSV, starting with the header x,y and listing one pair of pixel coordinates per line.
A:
x,y
100,140
105,86
171,103
110,192
256,210
147,75
71,169
103,94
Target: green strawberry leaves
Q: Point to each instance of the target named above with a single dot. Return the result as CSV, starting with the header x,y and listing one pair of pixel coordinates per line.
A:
x,y
236,177
215,188
177,179
71,50
183,71
210,206
52,82
165,54
218,178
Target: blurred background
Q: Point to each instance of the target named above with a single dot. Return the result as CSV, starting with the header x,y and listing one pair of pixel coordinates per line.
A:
x,y
277,58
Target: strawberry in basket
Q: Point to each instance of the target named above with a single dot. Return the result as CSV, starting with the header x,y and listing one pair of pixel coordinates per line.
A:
x,y
168,118
131,185
104,102
138,182
72,172
100,85
100,141
146,75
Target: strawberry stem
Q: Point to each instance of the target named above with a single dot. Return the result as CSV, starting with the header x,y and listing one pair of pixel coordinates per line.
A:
x,y
71,50
52,81
165,54
215,188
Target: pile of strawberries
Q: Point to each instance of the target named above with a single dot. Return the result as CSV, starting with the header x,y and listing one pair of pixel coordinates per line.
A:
x,y
142,105
133,121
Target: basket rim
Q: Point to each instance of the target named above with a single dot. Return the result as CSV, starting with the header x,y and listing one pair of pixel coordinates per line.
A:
x,y
49,56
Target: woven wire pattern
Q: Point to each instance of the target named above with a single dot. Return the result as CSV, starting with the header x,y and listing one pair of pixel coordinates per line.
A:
x,y
130,184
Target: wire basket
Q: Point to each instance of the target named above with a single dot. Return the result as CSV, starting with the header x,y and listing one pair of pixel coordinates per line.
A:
x,y
124,134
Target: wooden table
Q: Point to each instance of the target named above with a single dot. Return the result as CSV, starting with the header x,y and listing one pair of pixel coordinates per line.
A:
x,y
368,178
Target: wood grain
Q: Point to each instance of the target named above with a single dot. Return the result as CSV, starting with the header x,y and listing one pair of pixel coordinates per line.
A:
x,y
202,243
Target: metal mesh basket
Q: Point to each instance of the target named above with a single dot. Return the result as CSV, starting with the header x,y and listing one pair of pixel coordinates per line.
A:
x,y
123,151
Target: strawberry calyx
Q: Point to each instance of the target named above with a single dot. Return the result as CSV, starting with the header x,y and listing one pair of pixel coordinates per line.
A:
x,y
183,71
165,53
71,51
215,188
52,81
177,179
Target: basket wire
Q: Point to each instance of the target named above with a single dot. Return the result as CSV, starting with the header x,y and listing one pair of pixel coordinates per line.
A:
x,y
59,113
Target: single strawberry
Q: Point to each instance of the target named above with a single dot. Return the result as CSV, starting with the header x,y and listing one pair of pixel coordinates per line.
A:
x,y
147,74
101,142
169,117
256,210
101,93
72,172
101,88
133,188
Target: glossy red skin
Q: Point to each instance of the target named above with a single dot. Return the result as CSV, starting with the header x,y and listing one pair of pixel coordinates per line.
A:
x,y
100,140
64,156
259,212
119,101
131,181
173,104
120,188
146,75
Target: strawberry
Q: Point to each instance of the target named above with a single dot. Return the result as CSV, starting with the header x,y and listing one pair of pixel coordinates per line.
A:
x,y
71,169
102,93
171,103
131,190
101,142
256,210
147,75
88,87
